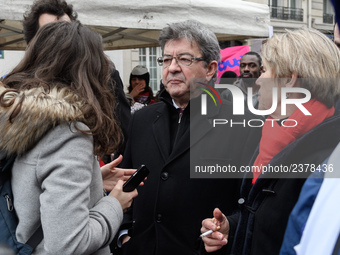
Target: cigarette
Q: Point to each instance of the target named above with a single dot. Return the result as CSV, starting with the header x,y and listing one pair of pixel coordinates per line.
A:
x,y
206,233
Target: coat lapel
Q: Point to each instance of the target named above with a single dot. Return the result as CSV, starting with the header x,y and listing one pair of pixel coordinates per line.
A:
x,y
181,146
199,126
161,131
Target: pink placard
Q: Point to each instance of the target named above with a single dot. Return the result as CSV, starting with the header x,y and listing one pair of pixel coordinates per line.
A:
x,y
230,59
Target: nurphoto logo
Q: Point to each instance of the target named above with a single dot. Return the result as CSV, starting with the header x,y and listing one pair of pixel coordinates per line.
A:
x,y
238,104
238,100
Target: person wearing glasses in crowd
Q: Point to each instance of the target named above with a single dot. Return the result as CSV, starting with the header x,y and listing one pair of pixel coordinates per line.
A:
x,y
166,219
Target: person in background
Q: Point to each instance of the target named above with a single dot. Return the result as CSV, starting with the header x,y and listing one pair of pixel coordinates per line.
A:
x,y
229,74
250,70
163,136
161,88
45,11
139,89
56,122
267,198
228,77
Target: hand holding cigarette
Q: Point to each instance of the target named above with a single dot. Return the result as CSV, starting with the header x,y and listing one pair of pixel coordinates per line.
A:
x,y
215,231
208,232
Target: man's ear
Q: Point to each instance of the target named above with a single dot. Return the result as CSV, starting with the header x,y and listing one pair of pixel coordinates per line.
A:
x,y
293,82
211,70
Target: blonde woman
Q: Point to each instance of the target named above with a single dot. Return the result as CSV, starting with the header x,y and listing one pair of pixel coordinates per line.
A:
x,y
293,141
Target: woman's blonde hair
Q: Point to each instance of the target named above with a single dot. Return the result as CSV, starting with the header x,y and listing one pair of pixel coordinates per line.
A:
x,y
309,54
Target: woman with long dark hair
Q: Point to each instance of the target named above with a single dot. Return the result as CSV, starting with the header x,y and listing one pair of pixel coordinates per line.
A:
x,y
56,113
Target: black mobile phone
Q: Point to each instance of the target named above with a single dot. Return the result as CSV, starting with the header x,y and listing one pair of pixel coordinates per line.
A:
x,y
136,179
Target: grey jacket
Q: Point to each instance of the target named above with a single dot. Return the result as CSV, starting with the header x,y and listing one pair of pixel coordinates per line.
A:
x,y
56,178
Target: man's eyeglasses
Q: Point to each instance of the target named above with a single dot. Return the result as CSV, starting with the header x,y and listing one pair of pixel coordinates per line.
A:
x,y
182,60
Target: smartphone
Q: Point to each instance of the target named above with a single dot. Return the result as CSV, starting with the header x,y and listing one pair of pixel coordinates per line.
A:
x,y
136,179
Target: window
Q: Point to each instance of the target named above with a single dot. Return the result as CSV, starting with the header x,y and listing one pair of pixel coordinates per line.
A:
x,y
295,4
148,57
328,12
294,10
280,10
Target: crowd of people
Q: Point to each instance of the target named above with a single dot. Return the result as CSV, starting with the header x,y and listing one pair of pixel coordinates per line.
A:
x,y
63,108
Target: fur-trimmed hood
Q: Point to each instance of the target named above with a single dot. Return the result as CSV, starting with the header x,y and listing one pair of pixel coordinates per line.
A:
x,y
21,127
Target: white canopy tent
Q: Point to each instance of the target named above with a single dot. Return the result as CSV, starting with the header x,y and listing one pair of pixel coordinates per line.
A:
x,y
136,24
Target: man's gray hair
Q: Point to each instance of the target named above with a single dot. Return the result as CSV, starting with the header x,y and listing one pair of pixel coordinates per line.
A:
x,y
193,31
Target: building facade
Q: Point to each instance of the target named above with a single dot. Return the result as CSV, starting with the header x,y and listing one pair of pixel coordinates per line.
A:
x,y
293,14
290,14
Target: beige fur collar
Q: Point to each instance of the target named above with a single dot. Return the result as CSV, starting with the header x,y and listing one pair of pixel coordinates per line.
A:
x,y
40,111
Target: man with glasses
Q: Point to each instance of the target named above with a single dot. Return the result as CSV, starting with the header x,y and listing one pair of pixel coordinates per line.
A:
x,y
166,217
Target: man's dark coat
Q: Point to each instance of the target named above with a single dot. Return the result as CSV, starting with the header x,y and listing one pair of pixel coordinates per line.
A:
x,y
170,207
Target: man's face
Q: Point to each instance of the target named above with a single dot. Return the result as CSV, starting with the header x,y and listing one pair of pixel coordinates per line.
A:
x,y
249,68
46,18
337,36
176,78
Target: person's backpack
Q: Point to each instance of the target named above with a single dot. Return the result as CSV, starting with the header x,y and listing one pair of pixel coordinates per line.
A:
x,y
8,218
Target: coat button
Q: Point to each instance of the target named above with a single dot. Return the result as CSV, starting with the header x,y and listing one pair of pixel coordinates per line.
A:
x,y
241,201
165,176
159,218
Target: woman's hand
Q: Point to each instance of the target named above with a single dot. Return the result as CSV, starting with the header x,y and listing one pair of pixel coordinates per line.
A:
x,y
136,90
220,225
112,174
124,198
